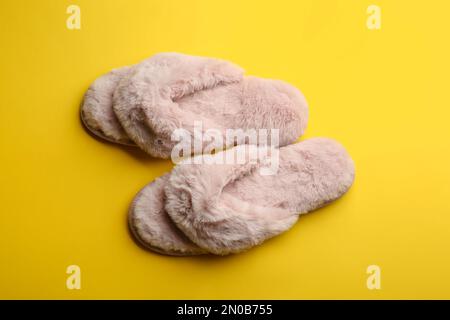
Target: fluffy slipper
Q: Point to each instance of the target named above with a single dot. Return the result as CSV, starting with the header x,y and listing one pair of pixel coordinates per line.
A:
x,y
96,111
230,208
152,226
171,91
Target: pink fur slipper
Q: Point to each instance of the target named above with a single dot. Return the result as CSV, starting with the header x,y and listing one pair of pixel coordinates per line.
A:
x,y
96,111
170,91
228,208
152,226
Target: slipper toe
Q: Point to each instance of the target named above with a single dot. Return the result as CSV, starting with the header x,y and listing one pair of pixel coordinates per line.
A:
x,y
96,111
153,228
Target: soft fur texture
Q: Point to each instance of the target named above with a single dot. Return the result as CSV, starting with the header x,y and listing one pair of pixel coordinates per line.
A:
x,y
152,226
96,111
171,90
207,208
230,208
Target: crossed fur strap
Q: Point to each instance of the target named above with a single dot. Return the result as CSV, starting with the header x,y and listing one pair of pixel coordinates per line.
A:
x,y
154,88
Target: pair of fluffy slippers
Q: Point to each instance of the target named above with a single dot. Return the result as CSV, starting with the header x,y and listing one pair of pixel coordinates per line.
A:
x,y
215,208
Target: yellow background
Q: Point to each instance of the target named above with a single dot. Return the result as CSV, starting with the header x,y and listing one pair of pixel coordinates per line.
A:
x,y
383,93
